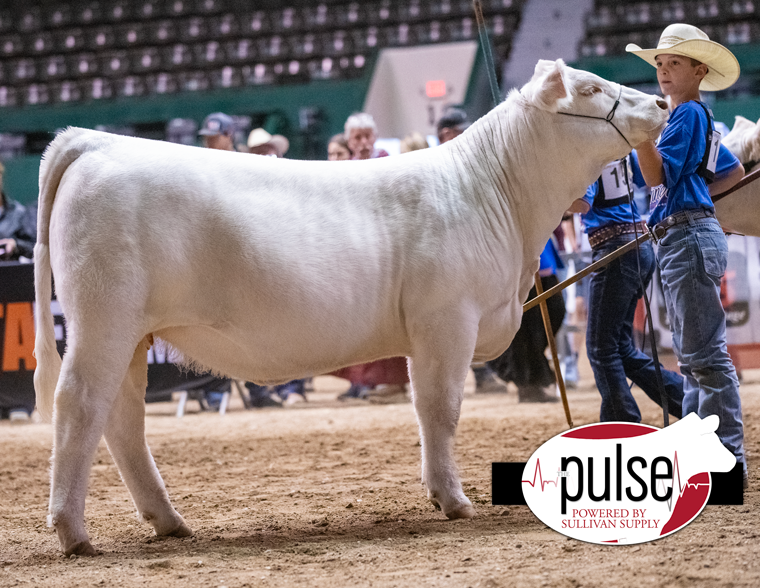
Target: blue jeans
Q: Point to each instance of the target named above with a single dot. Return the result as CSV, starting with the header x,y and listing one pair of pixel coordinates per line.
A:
x,y
614,292
692,258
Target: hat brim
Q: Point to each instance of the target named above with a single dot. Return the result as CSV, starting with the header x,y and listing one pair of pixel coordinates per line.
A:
x,y
723,67
280,142
210,133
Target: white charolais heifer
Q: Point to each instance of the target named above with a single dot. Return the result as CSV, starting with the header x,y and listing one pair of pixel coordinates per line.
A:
x,y
269,270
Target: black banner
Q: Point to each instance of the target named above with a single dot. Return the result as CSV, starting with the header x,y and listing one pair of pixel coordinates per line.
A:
x,y
507,481
17,362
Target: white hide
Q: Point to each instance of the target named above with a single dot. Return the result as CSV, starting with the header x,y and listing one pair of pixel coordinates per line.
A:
x,y
744,141
739,211
269,270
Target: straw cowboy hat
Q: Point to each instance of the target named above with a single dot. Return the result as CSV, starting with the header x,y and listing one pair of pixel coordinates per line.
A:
x,y
689,41
261,137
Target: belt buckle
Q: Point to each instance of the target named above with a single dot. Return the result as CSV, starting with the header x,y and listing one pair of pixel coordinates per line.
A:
x,y
657,232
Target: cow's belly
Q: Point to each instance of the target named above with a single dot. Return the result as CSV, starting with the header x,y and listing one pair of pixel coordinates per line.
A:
x,y
268,358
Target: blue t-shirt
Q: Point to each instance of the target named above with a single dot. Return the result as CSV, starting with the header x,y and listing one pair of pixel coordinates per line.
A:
x,y
682,146
550,259
598,217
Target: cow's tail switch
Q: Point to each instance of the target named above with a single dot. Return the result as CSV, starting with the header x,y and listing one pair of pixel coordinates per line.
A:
x,y
63,151
48,360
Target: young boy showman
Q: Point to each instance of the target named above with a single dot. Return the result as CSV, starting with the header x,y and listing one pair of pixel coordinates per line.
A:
x,y
692,250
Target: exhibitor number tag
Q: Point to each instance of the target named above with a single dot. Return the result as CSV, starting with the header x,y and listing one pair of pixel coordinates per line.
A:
x,y
712,159
615,180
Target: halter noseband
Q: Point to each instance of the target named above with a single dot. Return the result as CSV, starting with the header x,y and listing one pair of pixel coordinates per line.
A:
x,y
608,118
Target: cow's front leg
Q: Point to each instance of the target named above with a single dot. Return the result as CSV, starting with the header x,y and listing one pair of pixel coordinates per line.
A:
x,y
125,436
442,352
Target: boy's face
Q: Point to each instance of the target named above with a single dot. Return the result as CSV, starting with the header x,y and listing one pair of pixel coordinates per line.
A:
x,y
677,76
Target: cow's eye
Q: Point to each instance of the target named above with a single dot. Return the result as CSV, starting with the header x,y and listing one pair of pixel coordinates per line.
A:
x,y
591,90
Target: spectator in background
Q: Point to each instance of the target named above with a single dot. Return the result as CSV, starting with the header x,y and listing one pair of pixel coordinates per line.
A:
x,y
454,122
413,142
218,132
337,148
17,237
360,131
260,142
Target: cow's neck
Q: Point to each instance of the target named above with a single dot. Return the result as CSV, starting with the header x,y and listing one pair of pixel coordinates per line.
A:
x,y
537,166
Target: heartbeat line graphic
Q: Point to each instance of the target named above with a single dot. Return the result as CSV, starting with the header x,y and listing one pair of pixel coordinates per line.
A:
x,y
676,476
681,489
537,473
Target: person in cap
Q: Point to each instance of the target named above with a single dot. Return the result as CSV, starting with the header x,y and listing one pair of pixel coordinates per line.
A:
x,y
260,142
692,251
218,132
453,122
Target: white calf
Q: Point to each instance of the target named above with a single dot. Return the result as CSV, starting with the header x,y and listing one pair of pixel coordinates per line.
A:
x,y
269,270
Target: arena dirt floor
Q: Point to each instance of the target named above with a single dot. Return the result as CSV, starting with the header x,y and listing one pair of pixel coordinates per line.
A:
x,y
328,494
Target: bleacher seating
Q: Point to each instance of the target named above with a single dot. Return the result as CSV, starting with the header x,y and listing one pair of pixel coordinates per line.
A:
x,y
615,23
63,52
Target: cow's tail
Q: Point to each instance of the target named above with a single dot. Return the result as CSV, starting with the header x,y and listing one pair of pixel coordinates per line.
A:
x,y
59,155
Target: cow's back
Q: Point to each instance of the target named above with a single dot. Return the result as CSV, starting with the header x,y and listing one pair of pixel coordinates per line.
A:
x,y
246,252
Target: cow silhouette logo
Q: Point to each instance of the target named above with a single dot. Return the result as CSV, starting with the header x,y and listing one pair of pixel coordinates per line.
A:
x,y
624,483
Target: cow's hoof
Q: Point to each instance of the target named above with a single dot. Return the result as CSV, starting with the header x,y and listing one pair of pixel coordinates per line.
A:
x,y
465,511
181,531
83,548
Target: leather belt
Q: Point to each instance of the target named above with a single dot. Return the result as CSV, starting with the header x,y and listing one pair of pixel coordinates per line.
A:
x,y
658,231
604,234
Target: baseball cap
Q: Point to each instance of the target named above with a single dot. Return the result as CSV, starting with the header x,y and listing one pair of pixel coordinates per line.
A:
x,y
217,123
454,118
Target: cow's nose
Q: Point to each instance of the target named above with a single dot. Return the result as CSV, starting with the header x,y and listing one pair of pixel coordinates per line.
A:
x,y
662,104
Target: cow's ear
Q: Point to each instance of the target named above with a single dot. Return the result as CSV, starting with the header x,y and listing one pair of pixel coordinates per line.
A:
x,y
547,87
740,121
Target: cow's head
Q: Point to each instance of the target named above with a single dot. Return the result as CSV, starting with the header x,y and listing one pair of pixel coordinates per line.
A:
x,y
638,117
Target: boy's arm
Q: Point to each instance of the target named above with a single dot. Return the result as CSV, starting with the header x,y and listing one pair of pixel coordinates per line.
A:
x,y
650,162
579,205
584,203
726,181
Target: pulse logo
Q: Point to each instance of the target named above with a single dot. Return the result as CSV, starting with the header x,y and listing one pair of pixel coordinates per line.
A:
x,y
624,483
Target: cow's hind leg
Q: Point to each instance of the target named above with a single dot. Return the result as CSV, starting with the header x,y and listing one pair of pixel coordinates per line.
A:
x,y
83,399
442,352
125,436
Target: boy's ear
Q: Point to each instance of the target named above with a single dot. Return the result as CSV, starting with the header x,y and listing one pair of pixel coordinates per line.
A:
x,y
702,70
548,85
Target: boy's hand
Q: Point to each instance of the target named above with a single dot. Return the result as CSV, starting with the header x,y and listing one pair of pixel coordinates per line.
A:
x,y
650,162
